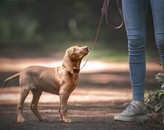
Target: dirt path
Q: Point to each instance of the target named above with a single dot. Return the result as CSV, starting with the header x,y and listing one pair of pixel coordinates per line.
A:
x,y
85,116
91,106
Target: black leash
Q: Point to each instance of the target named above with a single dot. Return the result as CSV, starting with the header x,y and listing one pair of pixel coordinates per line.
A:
x,y
104,12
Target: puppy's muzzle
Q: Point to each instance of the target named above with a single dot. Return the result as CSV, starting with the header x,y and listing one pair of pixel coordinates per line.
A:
x,y
86,50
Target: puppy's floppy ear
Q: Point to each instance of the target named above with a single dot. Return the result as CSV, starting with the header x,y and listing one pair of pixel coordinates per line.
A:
x,y
67,64
71,51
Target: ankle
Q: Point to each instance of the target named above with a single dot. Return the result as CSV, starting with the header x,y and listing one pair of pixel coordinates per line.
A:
x,y
138,103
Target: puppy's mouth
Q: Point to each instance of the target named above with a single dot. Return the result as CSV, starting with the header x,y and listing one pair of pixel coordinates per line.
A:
x,y
85,50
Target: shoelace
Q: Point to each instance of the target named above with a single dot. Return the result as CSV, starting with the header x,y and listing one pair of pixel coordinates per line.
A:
x,y
131,106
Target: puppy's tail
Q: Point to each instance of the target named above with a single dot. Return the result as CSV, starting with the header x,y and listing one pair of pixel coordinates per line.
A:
x,y
10,78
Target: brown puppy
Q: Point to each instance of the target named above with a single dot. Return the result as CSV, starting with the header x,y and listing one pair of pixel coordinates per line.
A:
x,y
61,80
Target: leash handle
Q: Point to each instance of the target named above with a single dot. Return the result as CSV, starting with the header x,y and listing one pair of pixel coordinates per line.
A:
x,y
105,12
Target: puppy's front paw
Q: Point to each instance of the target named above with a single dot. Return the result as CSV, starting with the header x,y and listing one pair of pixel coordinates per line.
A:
x,y
20,119
66,120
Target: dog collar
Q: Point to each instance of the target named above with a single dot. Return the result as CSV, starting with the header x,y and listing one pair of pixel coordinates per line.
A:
x,y
75,70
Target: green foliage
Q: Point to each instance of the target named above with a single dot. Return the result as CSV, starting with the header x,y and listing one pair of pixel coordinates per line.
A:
x,y
47,21
52,24
154,103
110,55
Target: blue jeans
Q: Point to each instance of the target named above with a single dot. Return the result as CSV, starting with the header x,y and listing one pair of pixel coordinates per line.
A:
x,y
134,12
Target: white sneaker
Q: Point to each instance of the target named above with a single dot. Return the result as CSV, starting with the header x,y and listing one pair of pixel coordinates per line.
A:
x,y
134,112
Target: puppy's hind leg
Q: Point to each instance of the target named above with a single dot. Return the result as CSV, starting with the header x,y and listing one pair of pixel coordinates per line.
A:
x,y
23,95
34,105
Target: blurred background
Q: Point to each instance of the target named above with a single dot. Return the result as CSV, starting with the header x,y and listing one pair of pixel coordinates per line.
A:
x,y
37,32
44,28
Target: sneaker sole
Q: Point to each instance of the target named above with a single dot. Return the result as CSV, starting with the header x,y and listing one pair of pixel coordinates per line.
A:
x,y
133,118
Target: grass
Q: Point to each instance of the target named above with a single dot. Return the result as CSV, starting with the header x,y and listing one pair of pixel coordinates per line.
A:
x,y
101,51
109,55
107,51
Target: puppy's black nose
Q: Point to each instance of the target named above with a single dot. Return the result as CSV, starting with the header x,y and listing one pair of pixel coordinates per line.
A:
x,y
86,48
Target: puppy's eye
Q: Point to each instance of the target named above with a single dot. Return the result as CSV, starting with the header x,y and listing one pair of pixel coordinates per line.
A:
x,y
74,50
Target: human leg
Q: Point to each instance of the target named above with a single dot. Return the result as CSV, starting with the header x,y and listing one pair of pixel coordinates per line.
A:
x,y
134,12
157,7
